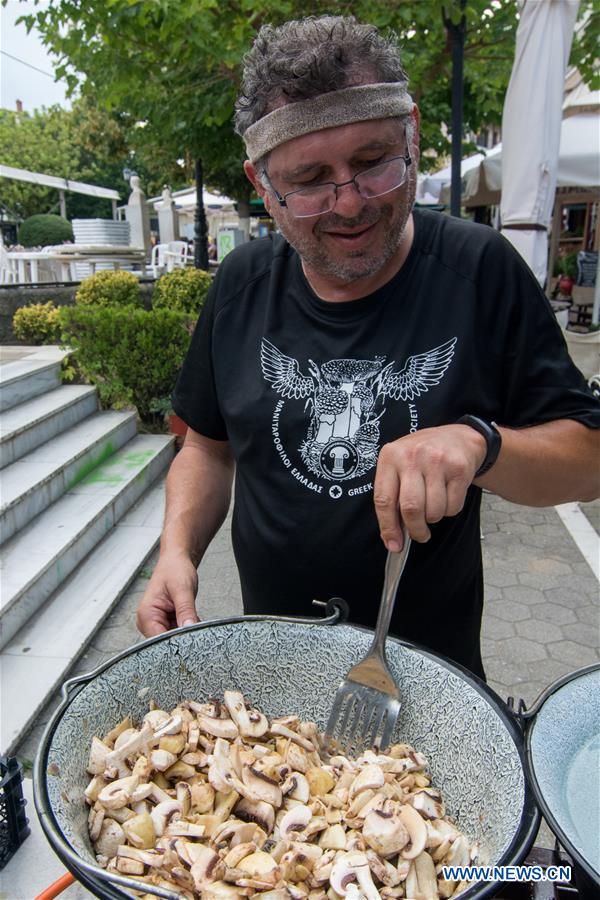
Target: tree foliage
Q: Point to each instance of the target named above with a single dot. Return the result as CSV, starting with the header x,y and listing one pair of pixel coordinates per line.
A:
x,y
85,143
175,66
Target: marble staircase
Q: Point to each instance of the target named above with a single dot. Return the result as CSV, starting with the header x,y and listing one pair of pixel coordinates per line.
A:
x,y
80,511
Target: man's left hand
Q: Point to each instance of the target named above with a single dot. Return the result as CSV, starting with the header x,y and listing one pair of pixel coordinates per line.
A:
x,y
423,477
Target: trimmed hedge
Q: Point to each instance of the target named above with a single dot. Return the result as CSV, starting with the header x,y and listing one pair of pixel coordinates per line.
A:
x,y
132,356
182,289
44,231
109,288
37,324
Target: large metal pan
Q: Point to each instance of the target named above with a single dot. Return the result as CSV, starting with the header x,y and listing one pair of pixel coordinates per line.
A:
x,y
563,768
472,740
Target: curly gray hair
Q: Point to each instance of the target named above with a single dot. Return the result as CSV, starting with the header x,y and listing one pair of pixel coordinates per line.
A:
x,y
302,59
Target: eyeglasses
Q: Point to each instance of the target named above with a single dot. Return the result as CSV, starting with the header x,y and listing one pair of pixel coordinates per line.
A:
x,y
318,199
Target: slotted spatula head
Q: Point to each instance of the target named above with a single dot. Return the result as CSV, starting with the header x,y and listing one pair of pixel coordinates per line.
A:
x,y
361,718
367,702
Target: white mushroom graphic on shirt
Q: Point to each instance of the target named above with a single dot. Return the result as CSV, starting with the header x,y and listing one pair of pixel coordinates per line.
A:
x,y
346,399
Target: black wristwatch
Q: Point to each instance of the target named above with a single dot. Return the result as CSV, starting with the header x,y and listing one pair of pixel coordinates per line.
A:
x,y
493,439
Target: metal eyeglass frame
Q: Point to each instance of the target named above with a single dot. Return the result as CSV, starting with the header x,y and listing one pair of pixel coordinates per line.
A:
x,y
282,199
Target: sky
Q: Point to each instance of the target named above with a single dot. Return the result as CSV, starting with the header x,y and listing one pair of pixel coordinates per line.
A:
x,y
19,81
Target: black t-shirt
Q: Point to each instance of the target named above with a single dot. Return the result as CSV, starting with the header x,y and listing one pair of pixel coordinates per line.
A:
x,y
307,391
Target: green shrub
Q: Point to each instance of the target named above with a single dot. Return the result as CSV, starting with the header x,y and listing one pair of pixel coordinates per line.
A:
x,y
109,289
182,289
131,355
37,324
45,230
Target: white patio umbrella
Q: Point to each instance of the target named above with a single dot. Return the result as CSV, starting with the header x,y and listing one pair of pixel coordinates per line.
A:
x,y
531,124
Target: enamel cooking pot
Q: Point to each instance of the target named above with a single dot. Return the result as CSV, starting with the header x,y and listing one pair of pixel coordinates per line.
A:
x,y
473,742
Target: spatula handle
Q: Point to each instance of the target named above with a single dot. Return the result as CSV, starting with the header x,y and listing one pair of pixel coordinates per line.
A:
x,y
394,568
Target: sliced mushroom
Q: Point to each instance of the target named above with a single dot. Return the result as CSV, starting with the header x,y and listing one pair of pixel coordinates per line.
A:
x,y
261,787
110,838
97,759
421,882
163,814
219,728
257,811
294,821
151,858
118,793
206,868
369,778
251,723
281,730
415,825
385,833
350,868
297,787
429,803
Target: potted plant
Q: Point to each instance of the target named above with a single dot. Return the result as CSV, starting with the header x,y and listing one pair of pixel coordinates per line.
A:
x,y
161,406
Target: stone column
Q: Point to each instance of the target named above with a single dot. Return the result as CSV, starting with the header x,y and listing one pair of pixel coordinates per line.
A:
x,y
138,217
168,218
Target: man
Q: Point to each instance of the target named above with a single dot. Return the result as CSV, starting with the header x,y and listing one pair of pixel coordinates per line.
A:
x,y
332,366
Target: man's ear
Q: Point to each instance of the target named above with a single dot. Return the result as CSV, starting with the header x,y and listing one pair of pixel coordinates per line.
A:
x,y
415,146
254,178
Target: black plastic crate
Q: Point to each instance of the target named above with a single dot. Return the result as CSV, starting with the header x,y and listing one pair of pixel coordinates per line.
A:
x,y
14,825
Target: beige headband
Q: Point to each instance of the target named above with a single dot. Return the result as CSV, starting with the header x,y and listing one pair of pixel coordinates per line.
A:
x,y
353,104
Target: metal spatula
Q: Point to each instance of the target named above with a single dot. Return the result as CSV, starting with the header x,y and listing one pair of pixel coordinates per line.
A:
x,y
367,702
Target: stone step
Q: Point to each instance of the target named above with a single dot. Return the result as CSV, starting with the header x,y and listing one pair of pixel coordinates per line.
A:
x,y
32,423
26,378
39,657
39,558
37,480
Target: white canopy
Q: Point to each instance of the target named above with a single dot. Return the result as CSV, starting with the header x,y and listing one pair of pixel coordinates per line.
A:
x,y
578,162
429,187
61,184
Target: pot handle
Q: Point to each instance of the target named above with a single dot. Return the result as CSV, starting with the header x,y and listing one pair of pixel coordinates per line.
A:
x,y
336,610
521,714
73,685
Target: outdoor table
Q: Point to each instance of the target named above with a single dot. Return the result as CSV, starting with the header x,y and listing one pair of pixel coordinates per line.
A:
x,y
26,262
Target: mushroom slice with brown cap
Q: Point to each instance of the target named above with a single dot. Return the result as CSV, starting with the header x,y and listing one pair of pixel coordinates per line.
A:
x,y
297,787
251,723
261,787
294,822
163,813
207,867
385,833
429,803
383,870
415,825
237,854
256,811
352,868
220,769
118,793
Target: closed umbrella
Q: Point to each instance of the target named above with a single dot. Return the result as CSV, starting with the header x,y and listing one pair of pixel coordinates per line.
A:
x,y
531,126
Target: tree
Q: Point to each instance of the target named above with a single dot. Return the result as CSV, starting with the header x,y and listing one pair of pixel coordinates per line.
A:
x,y
82,144
176,66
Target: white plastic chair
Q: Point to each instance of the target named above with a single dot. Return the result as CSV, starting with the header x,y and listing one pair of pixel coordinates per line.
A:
x,y
8,272
176,255
157,260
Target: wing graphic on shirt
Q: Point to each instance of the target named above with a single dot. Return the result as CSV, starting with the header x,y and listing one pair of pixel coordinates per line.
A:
x,y
419,373
283,372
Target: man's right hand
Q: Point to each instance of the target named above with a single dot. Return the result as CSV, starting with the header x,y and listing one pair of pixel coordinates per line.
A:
x,y
169,600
